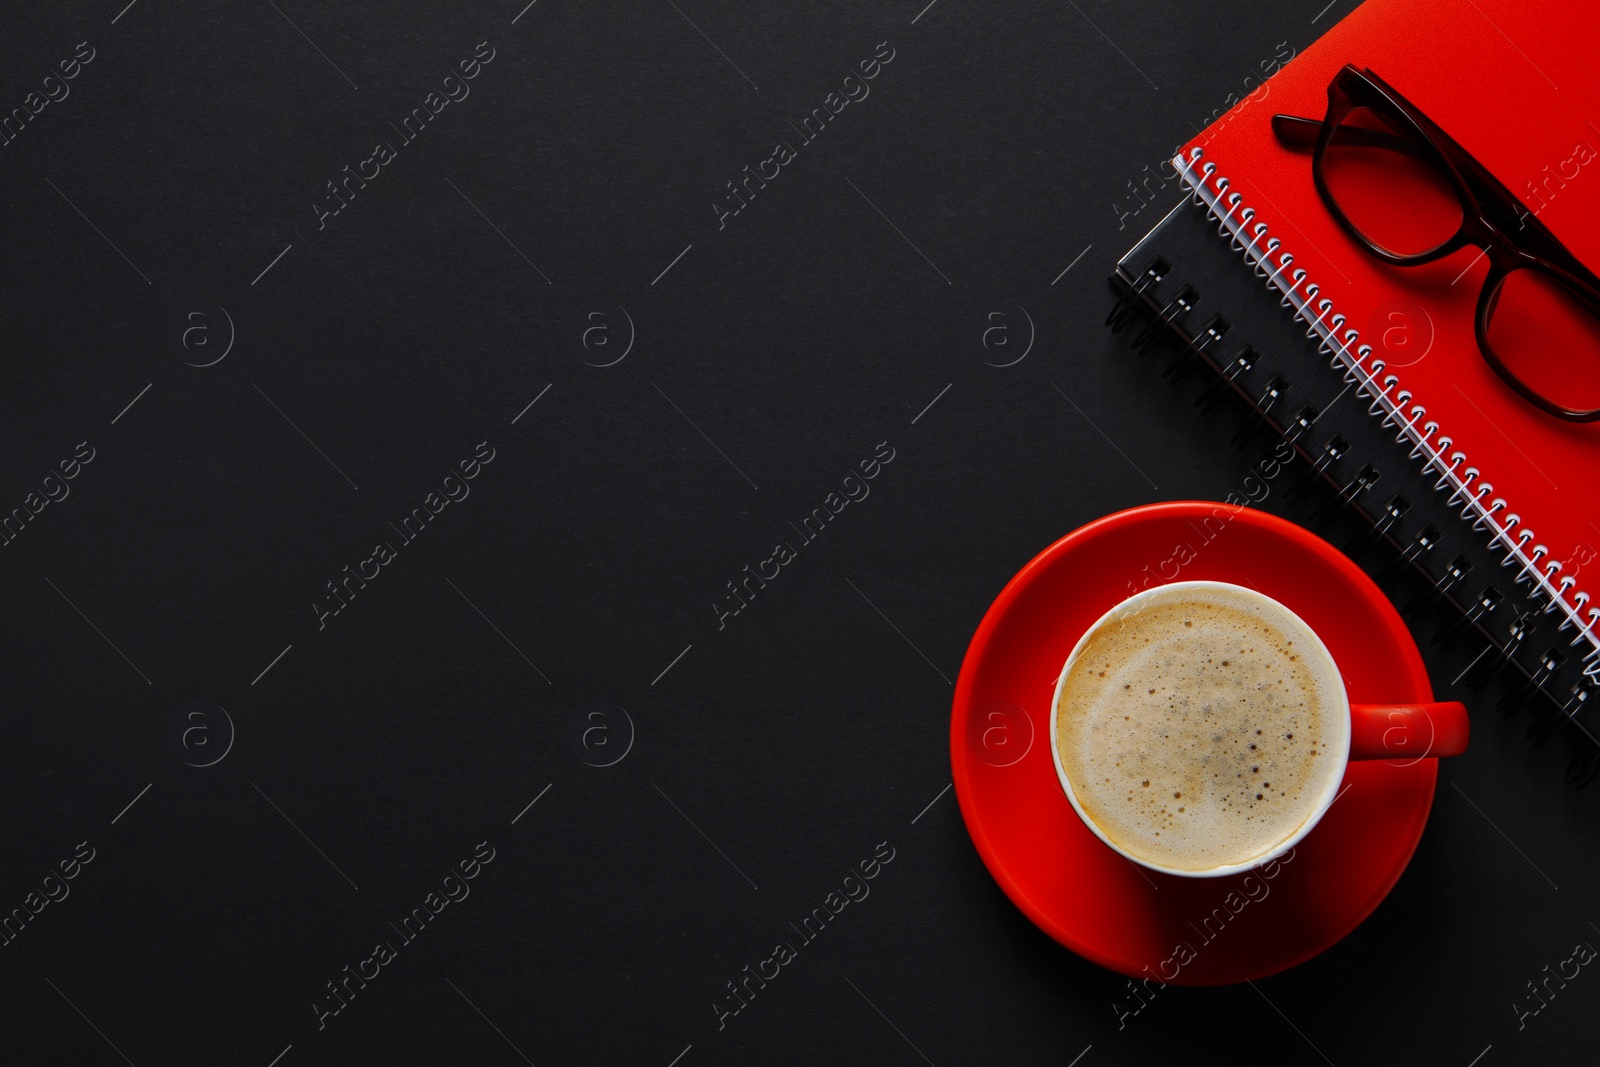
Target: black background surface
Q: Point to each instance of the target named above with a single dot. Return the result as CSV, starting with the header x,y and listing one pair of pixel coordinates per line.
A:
x,y
454,689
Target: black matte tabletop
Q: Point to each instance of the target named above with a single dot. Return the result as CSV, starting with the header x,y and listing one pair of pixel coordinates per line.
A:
x,y
404,406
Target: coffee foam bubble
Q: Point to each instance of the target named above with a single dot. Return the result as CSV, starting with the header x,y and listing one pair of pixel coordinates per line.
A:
x,y
1200,729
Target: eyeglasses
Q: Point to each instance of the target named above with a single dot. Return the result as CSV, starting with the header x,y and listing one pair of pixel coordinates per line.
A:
x,y
1410,195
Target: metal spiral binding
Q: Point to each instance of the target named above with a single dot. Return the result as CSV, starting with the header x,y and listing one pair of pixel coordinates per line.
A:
x,y
1262,408
1151,335
1514,700
1264,255
1393,512
1333,450
1481,671
1420,546
1300,424
1209,335
1214,392
1346,495
1455,572
1487,601
1124,308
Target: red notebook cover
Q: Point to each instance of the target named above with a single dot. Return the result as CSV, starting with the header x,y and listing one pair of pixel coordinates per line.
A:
x,y
1514,83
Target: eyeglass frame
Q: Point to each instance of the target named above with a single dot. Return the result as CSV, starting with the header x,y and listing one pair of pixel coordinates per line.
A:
x,y
1487,210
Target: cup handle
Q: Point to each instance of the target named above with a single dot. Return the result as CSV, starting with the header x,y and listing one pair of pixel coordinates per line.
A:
x,y
1408,731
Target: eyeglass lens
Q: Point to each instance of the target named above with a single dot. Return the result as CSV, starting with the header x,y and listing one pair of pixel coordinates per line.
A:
x,y
1547,338
1391,186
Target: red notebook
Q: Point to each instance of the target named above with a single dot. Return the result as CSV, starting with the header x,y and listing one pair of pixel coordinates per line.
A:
x,y
1513,83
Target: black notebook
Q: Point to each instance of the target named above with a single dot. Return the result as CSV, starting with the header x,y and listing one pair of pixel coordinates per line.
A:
x,y
1359,480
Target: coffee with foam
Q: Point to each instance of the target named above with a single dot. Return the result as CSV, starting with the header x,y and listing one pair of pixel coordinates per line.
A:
x,y
1201,729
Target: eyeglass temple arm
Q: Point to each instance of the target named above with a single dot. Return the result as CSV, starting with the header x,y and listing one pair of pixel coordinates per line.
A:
x,y
1292,131
1295,132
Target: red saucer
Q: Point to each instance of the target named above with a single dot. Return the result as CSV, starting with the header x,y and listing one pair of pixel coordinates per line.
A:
x,y
1183,931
